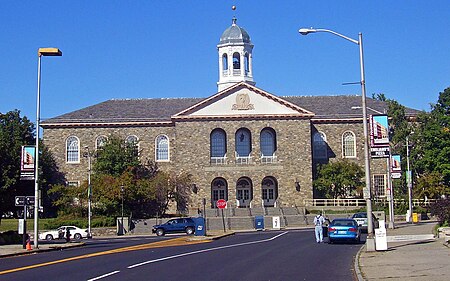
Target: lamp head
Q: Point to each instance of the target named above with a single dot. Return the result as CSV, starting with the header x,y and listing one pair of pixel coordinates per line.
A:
x,y
306,31
49,52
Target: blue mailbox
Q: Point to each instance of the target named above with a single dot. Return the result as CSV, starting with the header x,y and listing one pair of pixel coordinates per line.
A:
x,y
200,229
259,222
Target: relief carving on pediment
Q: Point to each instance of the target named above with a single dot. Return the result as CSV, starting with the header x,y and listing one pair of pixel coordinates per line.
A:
x,y
242,102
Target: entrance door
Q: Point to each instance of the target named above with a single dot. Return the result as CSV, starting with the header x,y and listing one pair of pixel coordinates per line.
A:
x,y
243,193
269,192
219,190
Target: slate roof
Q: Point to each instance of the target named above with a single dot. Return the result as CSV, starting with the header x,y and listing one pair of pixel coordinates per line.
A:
x,y
161,109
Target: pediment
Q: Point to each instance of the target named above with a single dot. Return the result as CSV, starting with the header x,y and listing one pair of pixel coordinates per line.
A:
x,y
243,100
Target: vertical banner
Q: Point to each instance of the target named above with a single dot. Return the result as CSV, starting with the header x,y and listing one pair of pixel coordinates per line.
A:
x,y
379,136
27,162
380,130
396,167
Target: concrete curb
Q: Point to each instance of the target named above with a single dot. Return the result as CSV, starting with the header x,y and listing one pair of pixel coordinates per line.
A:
x,y
356,264
49,249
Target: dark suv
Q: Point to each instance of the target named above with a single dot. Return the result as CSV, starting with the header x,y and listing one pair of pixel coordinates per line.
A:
x,y
175,225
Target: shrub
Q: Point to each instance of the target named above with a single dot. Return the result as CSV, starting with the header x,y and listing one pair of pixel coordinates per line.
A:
x,y
79,222
441,209
10,237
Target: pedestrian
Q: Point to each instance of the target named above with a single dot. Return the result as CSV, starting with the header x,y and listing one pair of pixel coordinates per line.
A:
x,y
319,220
67,235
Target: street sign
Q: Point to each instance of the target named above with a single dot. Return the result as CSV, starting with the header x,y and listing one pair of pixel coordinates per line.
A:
x,y
30,200
221,204
19,201
380,152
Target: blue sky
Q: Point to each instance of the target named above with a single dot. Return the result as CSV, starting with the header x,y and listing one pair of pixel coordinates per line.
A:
x,y
151,49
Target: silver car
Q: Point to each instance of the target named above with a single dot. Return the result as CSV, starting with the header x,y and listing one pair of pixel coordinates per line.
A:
x,y
361,219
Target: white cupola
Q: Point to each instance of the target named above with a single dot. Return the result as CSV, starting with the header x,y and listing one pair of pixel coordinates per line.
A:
x,y
235,57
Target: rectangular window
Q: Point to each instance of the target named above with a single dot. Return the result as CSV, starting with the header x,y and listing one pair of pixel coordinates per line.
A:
x,y
379,185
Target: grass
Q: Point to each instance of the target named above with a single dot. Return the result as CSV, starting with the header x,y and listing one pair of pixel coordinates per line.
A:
x,y
12,224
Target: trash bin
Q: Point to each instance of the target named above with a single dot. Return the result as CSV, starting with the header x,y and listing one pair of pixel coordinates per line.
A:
x,y
415,217
259,222
199,226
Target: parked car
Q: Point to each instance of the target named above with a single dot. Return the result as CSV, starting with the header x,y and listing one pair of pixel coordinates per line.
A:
x,y
60,233
175,225
344,230
361,219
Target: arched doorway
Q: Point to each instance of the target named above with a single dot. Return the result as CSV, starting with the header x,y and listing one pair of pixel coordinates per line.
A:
x,y
269,188
219,190
244,192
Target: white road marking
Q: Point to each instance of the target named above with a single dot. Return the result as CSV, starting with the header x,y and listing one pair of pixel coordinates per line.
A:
x,y
104,275
207,250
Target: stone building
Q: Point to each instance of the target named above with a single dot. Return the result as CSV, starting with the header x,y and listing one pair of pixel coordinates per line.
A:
x,y
242,144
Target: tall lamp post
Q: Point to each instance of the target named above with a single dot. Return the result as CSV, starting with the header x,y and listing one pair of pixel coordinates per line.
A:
x,y
121,232
370,244
409,180
89,191
41,52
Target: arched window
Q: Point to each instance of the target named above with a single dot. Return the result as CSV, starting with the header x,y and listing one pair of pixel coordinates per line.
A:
x,y
236,61
162,148
268,142
246,62
243,142
133,141
100,142
225,62
218,143
320,146
219,190
348,145
72,150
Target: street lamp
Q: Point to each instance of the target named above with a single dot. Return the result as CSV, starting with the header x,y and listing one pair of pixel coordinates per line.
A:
x,y
121,232
41,52
89,191
370,244
409,180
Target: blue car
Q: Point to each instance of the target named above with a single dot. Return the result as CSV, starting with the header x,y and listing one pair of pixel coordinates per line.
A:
x,y
344,230
175,225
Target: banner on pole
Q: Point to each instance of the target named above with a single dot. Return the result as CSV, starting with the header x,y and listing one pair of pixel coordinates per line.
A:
x,y
379,130
27,162
396,168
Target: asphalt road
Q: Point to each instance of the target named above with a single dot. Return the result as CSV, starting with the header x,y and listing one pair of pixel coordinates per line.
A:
x,y
270,255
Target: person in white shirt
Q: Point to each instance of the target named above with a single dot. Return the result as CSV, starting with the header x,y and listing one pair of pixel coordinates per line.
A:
x,y
319,220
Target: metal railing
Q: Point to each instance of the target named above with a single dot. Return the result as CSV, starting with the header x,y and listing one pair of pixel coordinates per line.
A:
x,y
357,202
218,160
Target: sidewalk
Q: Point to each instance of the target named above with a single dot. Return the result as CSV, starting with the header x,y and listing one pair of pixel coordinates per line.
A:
x,y
15,250
407,260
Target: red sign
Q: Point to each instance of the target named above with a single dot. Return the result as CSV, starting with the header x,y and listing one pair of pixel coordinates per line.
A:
x,y
221,204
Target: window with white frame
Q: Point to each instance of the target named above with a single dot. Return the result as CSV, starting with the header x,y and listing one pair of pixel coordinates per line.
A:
x,y
379,185
218,144
162,148
133,141
100,142
243,146
320,146
72,150
348,145
268,142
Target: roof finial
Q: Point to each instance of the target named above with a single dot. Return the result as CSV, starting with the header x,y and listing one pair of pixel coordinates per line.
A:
x,y
233,21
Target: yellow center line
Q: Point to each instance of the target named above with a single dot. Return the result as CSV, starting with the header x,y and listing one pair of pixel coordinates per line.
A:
x,y
166,243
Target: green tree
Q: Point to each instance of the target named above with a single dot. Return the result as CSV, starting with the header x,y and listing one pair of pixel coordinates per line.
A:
x,y
115,157
339,179
431,151
15,131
